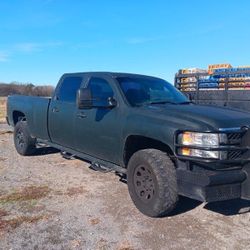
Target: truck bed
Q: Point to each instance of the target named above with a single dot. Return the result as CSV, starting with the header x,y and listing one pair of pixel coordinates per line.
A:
x,y
35,110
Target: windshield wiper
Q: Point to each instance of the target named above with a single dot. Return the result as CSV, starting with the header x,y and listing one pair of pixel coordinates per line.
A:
x,y
166,102
161,102
187,102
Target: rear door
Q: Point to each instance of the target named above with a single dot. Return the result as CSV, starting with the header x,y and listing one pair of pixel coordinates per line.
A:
x,y
62,111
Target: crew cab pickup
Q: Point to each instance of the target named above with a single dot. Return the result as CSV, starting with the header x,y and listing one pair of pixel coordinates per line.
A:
x,y
143,129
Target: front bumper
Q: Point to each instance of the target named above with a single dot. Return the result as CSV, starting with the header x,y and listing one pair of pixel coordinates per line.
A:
x,y
216,180
214,185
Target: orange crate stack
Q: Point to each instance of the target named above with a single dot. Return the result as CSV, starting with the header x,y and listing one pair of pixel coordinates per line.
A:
x,y
212,67
192,71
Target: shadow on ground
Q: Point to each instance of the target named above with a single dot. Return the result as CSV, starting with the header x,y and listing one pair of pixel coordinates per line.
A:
x,y
45,151
230,207
227,208
184,205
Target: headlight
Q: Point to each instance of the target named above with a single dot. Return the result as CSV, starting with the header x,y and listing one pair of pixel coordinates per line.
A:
x,y
201,139
194,144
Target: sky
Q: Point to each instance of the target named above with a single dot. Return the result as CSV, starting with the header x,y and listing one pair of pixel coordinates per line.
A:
x,y
42,39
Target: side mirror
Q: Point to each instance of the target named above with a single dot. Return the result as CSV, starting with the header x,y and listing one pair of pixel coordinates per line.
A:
x,y
84,98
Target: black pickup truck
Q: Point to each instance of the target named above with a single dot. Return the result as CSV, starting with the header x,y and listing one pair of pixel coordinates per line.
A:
x,y
144,129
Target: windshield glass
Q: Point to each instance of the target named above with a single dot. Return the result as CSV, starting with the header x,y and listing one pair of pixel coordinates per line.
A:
x,y
143,91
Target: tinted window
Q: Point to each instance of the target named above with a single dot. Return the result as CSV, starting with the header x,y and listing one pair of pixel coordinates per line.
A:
x,y
100,89
140,91
68,89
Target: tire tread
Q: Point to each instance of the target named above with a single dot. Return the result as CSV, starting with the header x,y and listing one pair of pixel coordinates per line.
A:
x,y
30,143
165,173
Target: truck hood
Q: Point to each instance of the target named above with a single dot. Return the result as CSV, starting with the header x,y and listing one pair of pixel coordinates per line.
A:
x,y
207,117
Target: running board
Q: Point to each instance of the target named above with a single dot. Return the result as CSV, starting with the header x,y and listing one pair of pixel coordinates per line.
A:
x,y
101,168
96,164
67,156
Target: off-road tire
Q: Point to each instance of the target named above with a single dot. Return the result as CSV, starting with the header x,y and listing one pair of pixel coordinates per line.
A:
x,y
24,143
152,182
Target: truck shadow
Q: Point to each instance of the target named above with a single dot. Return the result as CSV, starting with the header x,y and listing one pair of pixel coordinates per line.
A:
x,y
227,208
184,205
45,151
230,207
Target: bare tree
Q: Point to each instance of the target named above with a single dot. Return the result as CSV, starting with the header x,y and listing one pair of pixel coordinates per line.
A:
x,y
16,88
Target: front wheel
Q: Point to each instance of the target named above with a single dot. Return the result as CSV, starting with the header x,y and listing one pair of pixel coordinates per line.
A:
x,y
152,182
24,143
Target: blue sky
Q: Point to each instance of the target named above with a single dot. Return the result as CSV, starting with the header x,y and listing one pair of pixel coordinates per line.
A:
x,y
42,39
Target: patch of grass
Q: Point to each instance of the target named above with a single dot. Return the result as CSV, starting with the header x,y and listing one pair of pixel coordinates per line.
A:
x,y
18,221
75,191
125,246
71,191
26,194
28,206
3,213
94,221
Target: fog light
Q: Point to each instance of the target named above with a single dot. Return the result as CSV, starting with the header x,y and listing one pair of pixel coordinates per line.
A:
x,y
200,153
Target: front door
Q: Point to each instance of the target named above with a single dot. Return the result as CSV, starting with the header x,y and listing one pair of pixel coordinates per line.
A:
x,y
98,130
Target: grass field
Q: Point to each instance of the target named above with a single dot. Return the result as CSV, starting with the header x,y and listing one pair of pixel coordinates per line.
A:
x,y
2,108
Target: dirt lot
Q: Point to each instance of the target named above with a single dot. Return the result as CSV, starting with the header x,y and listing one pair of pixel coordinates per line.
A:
x,y
2,109
47,202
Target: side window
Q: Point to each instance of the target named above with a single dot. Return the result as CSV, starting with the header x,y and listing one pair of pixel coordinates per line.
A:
x,y
68,89
100,89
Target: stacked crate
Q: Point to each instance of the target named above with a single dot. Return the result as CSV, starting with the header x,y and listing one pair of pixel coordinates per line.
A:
x,y
213,67
188,81
237,78
210,83
217,77
192,71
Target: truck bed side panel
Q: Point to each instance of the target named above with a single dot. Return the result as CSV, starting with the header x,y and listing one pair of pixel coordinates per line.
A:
x,y
35,110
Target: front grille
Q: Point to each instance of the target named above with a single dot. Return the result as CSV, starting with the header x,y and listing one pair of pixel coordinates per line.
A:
x,y
234,138
234,154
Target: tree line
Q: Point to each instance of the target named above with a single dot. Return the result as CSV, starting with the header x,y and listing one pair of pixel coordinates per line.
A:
x,y
16,88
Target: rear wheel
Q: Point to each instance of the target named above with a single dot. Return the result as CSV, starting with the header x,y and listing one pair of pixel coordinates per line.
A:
x,y
24,143
152,182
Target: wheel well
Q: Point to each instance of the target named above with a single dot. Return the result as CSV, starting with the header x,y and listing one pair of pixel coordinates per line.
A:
x,y
135,143
17,116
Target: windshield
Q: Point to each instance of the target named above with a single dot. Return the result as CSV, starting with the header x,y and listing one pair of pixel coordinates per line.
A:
x,y
143,91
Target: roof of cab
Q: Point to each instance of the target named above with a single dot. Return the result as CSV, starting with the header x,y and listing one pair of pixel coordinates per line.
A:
x,y
109,74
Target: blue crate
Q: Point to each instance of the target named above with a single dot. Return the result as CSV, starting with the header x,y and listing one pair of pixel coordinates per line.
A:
x,y
209,80
209,85
230,70
219,70
232,75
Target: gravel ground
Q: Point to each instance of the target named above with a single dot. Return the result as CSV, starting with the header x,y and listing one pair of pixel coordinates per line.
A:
x,y
47,202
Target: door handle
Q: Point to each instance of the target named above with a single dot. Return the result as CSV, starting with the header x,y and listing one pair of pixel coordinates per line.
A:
x,y
55,110
81,115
